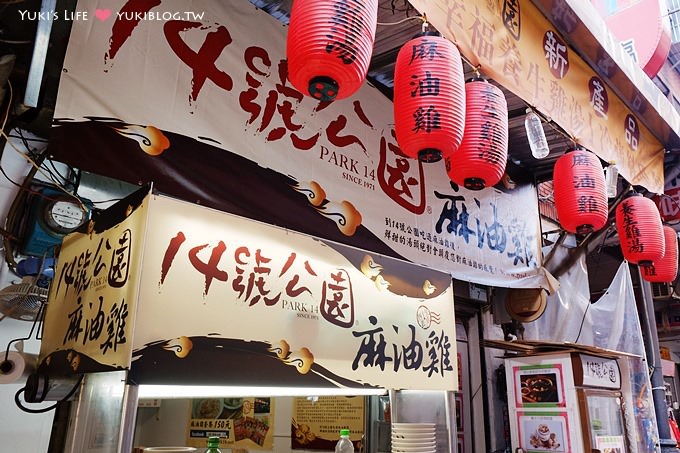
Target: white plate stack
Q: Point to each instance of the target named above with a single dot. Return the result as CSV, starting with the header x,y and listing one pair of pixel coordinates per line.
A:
x,y
414,438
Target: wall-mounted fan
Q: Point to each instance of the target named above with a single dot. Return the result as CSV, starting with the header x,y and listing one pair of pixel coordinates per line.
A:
x,y
24,300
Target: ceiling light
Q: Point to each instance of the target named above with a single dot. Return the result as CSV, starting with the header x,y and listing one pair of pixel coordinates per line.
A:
x,y
200,391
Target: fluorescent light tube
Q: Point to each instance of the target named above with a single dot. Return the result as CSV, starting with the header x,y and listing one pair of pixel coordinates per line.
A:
x,y
199,391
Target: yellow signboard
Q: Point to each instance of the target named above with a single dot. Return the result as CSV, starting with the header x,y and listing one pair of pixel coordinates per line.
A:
x,y
317,422
92,302
238,422
513,43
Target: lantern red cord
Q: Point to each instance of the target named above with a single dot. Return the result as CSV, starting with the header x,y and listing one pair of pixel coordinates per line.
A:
x,y
640,230
329,46
429,98
482,155
579,191
665,269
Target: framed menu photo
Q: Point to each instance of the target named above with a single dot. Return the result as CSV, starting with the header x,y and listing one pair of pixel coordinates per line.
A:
x,y
541,432
459,414
610,444
238,422
539,385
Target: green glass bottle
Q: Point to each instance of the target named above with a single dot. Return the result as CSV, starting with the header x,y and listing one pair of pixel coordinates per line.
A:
x,y
213,445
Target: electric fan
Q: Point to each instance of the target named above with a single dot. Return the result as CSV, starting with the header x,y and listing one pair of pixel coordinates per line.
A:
x,y
23,300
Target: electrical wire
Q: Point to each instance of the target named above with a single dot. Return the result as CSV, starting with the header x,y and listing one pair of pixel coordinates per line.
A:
x,y
597,266
6,113
393,7
57,172
10,180
580,329
15,42
421,18
32,139
111,200
13,219
33,151
605,235
38,168
54,175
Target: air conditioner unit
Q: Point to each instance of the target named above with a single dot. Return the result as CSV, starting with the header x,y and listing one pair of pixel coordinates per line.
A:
x,y
661,290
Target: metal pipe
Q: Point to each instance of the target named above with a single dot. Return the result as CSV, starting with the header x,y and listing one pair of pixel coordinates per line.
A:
x,y
42,41
648,326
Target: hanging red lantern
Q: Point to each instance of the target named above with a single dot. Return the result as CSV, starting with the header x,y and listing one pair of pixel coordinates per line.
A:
x,y
480,159
579,191
429,98
664,270
638,223
329,46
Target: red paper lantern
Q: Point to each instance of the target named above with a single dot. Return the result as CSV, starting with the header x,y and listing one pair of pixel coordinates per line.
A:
x,y
664,270
638,223
480,159
429,98
329,46
580,192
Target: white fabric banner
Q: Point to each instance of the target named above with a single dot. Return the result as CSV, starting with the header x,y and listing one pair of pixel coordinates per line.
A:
x,y
217,74
322,308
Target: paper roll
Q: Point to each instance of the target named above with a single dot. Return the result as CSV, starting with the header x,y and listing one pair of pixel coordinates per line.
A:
x,y
17,367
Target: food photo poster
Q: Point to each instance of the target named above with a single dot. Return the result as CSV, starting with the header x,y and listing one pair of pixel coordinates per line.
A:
x,y
541,432
539,386
238,422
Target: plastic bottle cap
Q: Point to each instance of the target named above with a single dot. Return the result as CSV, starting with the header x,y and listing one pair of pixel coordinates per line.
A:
x,y
344,432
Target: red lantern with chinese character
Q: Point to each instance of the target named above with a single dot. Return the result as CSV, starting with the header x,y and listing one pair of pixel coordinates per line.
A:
x,y
429,98
664,270
480,159
579,191
641,236
329,46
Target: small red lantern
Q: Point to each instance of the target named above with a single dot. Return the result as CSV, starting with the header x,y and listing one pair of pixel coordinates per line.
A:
x,y
664,270
429,98
638,223
329,46
580,192
480,159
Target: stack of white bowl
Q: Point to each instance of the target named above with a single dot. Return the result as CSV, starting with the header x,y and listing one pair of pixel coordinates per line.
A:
x,y
414,438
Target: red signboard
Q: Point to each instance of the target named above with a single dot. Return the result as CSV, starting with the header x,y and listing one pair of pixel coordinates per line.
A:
x,y
642,27
669,204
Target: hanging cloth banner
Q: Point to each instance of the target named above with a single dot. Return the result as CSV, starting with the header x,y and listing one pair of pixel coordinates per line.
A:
x,y
182,294
90,317
202,107
225,299
520,49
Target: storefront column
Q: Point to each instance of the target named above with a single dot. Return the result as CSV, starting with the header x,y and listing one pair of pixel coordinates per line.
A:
x,y
654,359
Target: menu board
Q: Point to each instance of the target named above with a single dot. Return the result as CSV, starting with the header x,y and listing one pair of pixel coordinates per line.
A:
x,y
610,444
544,431
317,422
239,422
539,385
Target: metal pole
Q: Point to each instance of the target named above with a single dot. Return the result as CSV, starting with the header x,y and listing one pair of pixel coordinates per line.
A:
x,y
648,326
42,40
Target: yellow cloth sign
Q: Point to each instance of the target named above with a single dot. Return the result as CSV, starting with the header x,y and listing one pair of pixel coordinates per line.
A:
x,y
513,43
